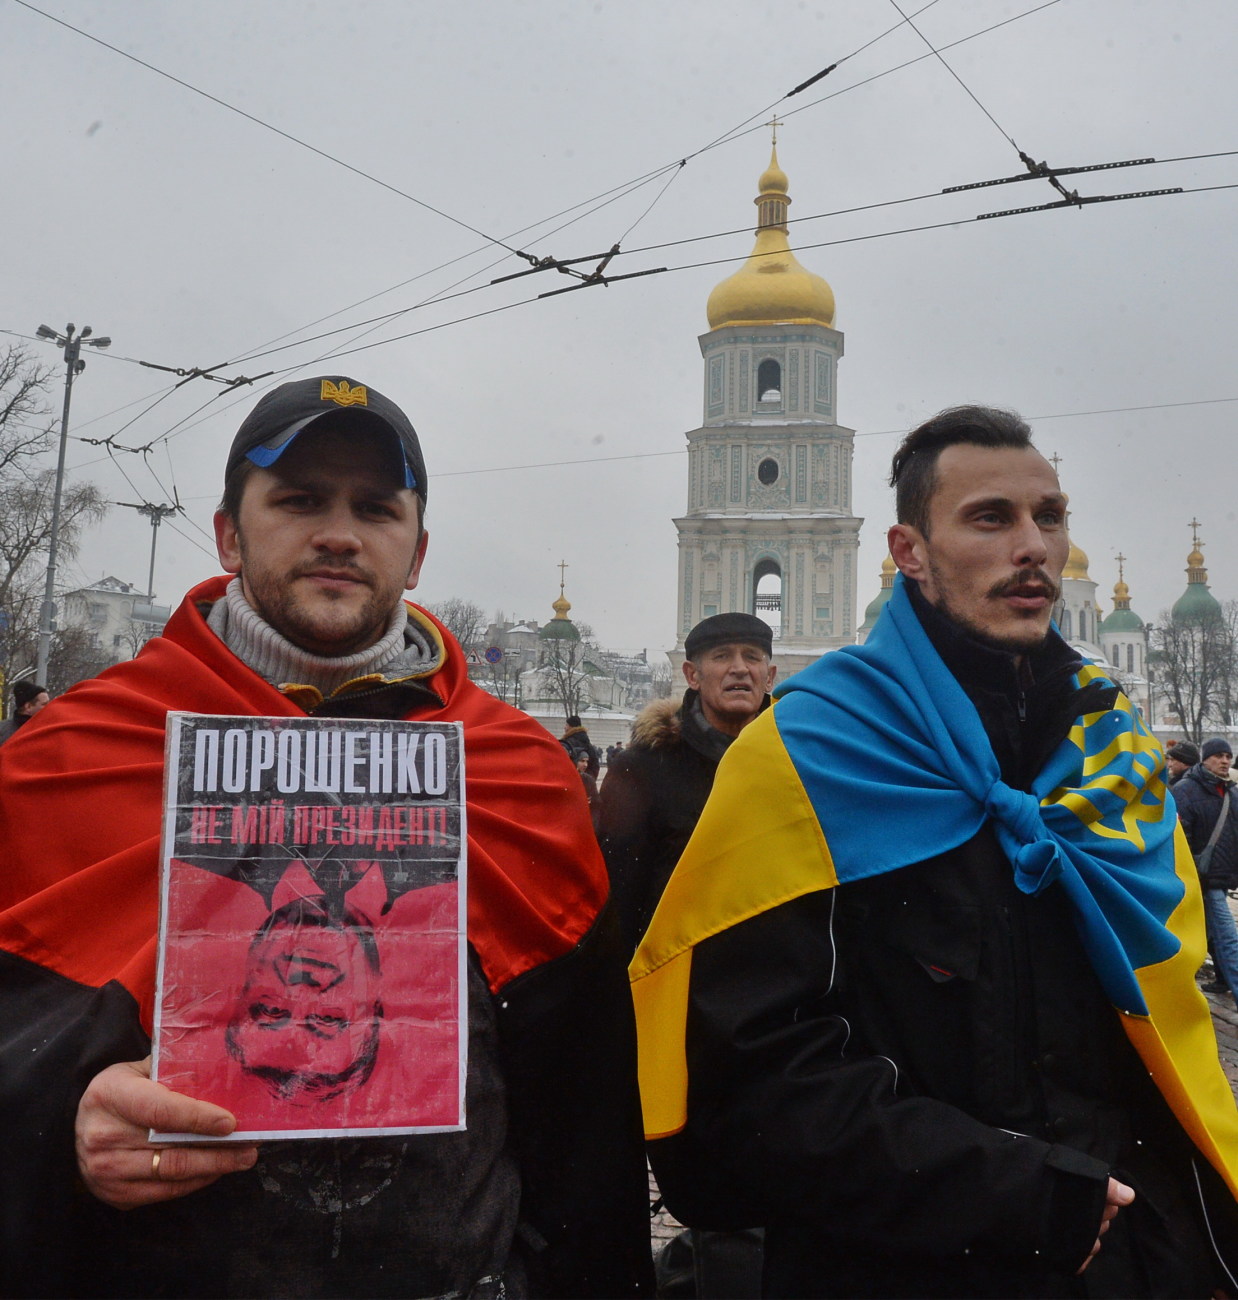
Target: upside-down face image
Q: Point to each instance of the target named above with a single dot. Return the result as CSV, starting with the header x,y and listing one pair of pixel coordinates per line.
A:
x,y
308,1017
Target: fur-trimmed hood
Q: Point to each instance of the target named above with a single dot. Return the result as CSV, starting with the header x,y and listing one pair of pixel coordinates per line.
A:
x,y
658,724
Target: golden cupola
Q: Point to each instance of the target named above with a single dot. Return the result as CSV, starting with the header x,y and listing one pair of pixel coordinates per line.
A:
x,y
771,288
1076,564
1196,602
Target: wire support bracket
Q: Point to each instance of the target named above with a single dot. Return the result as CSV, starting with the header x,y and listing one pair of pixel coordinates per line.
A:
x,y
1078,201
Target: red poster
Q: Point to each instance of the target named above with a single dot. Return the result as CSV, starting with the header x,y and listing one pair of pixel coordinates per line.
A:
x,y
312,928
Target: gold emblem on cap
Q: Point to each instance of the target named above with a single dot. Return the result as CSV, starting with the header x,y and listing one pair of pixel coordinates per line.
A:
x,y
344,395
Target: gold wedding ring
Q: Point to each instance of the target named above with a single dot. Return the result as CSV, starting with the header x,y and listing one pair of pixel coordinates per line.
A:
x,y
154,1164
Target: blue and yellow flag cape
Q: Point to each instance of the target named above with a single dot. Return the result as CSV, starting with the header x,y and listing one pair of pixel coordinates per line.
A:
x,y
874,758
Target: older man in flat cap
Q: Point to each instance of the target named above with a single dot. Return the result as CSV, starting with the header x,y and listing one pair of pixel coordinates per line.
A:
x,y
654,793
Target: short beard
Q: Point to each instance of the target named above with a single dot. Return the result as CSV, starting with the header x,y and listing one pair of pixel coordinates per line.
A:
x,y
1016,643
283,611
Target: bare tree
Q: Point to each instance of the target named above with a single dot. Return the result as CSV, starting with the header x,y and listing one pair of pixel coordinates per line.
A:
x,y
662,677
26,424
464,619
75,655
27,484
1196,668
502,678
565,661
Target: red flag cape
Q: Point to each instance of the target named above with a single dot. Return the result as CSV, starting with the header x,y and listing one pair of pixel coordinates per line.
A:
x,y
83,788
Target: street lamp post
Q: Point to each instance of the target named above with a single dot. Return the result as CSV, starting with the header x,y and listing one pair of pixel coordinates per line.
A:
x,y
1149,660
74,365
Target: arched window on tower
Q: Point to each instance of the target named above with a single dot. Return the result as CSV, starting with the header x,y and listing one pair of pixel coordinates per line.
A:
x,y
1065,625
767,594
769,381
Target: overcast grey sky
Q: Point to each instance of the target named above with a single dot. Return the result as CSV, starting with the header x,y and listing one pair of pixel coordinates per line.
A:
x,y
193,236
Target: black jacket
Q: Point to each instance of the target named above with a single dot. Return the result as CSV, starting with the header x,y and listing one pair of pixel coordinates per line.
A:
x,y
553,1141
583,1226
651,801
576,741
915,1082
1198,796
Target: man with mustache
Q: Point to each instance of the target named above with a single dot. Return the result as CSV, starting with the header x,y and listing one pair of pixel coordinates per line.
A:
x,y
320,532
919,996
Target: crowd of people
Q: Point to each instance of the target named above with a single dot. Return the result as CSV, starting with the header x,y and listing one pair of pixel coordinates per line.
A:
x,y
888,971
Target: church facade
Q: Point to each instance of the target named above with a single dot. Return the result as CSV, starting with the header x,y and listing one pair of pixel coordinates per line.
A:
x,y
769,528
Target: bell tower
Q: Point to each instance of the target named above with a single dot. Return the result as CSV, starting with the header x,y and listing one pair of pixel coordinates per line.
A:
x,y
769,528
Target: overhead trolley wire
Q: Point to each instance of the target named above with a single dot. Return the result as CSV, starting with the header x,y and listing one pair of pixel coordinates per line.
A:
x,y
268,126
610,196
967,89
875,433
331,355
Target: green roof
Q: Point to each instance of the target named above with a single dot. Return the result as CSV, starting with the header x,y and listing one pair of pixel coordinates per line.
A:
x,y
1122,620
1196,602
559,629
875,606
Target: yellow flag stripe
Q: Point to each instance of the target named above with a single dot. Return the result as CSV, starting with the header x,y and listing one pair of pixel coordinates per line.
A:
x,y
758,844
1176,1040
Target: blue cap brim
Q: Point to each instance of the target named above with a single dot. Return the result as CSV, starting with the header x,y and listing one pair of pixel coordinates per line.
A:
x,y
265,454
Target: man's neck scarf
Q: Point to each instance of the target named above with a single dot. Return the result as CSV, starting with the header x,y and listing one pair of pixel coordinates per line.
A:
x,y
874,758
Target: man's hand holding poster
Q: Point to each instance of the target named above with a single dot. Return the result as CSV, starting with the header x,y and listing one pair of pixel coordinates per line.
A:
x,y
312,926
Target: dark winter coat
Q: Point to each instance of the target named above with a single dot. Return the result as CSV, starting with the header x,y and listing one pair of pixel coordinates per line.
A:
x,y
651,801
1198,796
551,1164
9,727
916,1083
576,741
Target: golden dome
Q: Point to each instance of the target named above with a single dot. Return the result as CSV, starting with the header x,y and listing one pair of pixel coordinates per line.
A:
x,y
1121,592
1076,564
561,606
771,288
773,178
888,570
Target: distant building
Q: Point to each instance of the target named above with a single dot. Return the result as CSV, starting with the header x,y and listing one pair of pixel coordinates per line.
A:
x,y
1078,613
534,665
769,528
873,612
118,617
1124,639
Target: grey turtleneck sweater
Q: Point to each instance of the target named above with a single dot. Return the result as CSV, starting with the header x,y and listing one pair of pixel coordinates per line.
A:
x,y
403,651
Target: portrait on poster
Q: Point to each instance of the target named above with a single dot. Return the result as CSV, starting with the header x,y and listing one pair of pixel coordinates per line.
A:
x,y
312,924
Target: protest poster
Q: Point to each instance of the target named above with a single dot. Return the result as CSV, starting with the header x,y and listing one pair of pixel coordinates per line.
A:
x,y
312,945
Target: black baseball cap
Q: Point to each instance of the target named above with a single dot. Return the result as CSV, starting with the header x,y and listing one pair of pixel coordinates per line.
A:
x,y
727,629
272,426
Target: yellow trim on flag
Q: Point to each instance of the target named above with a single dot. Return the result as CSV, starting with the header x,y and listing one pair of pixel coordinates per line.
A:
x,y
1177,1042
758,844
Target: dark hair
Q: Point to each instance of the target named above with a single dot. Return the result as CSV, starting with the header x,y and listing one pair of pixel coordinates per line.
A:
x,y
573,720
234,489
26,693
236,478
913,473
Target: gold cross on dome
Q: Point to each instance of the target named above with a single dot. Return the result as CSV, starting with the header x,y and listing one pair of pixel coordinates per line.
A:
x,y
1195,532
563,564
774,124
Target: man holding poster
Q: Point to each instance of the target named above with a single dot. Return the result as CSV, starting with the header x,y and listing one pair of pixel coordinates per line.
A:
x,y
540,1190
